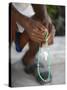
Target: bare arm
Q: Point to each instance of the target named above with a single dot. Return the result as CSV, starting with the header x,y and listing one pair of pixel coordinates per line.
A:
x,y
33,28
41,14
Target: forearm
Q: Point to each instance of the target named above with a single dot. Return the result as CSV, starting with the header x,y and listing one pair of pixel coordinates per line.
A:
x,y
40,11
20,18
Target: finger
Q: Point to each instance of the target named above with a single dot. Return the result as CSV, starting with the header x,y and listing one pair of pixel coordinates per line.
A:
x,y
42,28
38,36
38,33
37,39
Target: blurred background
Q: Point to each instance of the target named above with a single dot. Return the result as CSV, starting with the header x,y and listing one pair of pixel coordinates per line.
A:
x,y
57,13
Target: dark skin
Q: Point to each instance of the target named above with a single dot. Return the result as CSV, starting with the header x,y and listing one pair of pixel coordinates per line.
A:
x,y
42,16
34,30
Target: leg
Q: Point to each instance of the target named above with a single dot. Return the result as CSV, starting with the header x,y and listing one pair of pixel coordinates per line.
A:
x,y
29,57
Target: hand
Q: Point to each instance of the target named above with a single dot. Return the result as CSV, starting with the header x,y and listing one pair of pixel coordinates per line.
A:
x,y
47,22
51,29
51,34
36,30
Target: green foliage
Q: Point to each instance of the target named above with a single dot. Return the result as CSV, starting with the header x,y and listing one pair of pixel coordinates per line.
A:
x,y
58,18
52,10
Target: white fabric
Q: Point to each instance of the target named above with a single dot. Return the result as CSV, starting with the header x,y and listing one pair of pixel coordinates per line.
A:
x,y
17,56
24,8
